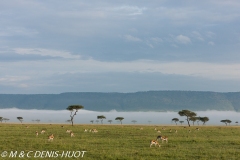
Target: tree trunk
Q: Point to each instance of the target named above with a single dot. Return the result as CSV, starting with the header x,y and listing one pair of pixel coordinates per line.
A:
x,y
72,120
188,122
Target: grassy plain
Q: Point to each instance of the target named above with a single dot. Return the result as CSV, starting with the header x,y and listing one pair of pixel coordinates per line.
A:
x,y
123,141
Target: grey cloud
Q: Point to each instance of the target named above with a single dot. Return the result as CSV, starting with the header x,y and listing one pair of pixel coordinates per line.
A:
x,y
117,82
114,31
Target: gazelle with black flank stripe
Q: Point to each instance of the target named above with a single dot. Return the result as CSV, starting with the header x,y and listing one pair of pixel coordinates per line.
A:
x,y
163,138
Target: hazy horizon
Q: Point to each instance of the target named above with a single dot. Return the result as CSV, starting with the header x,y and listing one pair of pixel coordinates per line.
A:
x,y
85,116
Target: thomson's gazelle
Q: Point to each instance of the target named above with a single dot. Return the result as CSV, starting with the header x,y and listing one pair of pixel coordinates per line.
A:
x,y
68,131
155,142
51,137
163,138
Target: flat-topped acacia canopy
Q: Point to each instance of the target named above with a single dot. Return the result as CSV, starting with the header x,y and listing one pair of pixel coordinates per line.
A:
x,y
75,106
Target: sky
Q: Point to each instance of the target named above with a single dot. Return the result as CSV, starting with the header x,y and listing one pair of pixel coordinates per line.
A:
x,y
50,47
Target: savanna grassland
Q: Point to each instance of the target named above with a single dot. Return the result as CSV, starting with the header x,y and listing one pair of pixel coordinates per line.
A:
x,y
123,141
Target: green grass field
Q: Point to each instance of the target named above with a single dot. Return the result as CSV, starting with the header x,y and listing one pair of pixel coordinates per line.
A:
x,y
122,141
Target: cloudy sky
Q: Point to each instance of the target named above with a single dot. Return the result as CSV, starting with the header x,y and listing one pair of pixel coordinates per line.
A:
x,y
119,46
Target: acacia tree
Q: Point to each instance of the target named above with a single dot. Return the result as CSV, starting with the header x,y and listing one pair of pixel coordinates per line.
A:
x,y
134,121
20,119
193,119
229,121
110,121
198,119
92,121
5,119
236,122
101,118
226,121
1,119
188,114
204,119
181,122
175,120
73,111
120,119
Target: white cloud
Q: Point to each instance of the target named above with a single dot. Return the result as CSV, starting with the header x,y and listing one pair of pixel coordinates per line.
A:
x,y
13,80
150,45
210,34
45,52
129,10
61,66
17,31
156,40
183,39
197,35
132,38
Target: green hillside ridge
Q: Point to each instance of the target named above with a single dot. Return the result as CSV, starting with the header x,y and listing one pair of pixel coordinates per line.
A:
x,y
139,101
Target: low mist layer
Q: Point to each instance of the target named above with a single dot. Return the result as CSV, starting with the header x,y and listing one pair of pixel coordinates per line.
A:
x,y
85,116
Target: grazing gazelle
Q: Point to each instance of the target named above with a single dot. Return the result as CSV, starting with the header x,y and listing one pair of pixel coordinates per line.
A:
x,y
163,138
197,129
85,130
36,133
94,131
72,134
43,131
154,142
159,131
170,130
51,137
175,131
68,131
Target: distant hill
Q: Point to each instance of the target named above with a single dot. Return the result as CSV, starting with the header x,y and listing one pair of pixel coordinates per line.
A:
x,y
139,101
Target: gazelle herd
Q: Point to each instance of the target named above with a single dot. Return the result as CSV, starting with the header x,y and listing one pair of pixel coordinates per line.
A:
x,y
165,138
51,137
152,142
